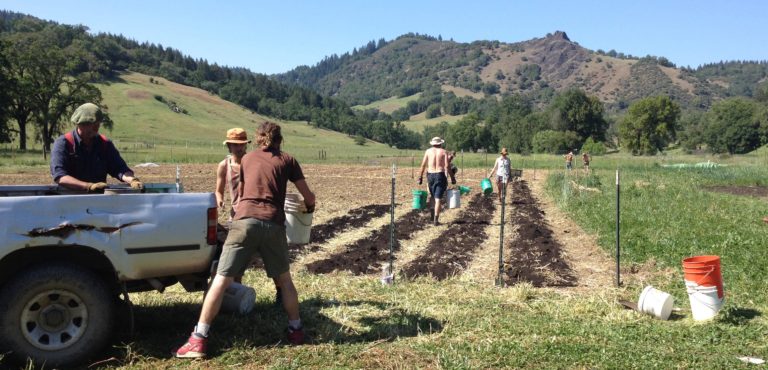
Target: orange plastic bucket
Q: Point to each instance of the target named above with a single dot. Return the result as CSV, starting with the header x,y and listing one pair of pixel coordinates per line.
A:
x,y
704,271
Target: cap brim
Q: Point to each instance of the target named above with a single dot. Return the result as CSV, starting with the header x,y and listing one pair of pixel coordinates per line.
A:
x,y
236,142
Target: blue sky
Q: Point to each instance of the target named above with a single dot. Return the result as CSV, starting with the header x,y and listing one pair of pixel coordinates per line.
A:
x,y
276,36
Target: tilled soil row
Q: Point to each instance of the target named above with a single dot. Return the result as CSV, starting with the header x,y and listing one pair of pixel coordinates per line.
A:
x,y
354,218
534,255
320,234
366,255
452,251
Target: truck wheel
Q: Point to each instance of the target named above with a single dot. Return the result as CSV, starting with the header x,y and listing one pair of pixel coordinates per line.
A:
x,y
55,314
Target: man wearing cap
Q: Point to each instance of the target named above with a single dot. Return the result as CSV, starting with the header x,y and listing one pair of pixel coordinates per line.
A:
x,y
82,158
437,165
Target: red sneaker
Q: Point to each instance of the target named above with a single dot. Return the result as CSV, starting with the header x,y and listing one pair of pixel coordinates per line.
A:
x,y
194,348
296,336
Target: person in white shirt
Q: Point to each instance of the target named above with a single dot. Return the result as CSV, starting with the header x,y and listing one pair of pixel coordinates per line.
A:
x,y
503,169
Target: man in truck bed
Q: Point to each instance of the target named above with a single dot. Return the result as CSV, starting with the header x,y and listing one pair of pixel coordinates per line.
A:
x,y
81,158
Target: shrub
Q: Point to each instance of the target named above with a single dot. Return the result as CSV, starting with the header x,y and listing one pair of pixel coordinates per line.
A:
x,y
593,147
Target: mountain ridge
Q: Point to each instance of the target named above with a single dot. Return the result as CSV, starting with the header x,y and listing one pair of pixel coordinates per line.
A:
x,y
538,67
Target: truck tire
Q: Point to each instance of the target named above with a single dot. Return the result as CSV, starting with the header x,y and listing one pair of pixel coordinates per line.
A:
x,y
56,314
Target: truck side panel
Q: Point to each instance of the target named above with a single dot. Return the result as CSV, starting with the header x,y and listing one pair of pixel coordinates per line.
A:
x,y
144,235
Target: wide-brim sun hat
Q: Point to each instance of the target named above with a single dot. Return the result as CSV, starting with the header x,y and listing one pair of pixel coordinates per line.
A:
x,y
436,141
236,136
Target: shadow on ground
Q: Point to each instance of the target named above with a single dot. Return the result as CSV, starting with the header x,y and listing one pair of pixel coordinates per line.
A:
x,y
161,329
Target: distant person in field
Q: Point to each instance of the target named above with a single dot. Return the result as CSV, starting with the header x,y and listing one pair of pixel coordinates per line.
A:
x,y
228,177
258,227
569,160
82,158
585,160
436,163
503,169
452,168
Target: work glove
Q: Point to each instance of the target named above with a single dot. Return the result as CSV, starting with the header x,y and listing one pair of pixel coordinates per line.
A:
x,y
136,184
421,180
310,208
453,181
97,187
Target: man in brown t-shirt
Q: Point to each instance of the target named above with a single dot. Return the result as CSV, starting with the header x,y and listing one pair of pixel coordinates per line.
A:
x,y
258,227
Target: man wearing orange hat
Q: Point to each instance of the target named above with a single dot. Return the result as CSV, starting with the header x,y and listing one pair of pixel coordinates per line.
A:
x,y
228,171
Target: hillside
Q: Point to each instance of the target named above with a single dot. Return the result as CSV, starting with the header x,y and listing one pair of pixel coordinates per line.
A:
x,y
537,67
141,120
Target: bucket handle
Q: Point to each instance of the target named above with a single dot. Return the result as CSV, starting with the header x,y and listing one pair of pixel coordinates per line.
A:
x,y
711,270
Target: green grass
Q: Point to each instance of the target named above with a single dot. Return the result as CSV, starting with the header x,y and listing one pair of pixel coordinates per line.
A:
x,y
355,322
389,105
667,215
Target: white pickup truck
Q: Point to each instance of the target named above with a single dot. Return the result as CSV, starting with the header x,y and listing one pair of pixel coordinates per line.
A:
x,y
66,259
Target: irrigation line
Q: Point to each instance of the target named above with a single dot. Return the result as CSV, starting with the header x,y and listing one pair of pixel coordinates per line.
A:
x,y
500,278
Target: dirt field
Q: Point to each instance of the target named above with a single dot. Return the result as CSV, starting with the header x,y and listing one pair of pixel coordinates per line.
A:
x,y
351,228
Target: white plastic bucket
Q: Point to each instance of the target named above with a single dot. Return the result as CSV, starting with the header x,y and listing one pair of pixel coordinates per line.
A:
x,y
239,299
293,202
454,199
297,227
655,302
705,303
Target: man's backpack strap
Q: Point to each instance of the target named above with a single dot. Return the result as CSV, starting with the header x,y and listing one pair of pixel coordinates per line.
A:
x,y
71,143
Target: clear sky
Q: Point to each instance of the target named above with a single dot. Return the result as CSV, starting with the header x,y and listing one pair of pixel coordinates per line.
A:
x,y
276,36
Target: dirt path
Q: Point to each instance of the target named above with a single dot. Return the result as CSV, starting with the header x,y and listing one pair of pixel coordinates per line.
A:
x,y
591,266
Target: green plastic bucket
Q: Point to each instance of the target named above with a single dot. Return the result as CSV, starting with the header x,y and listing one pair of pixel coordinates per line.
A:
x,y
419,199
464,189
486,186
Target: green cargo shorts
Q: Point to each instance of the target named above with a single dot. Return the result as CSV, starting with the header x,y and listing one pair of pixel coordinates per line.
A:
x,y
248,236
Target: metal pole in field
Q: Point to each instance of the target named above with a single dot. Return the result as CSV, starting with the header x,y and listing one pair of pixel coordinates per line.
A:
x,y
500,277
389,277
462,165
618,245
413,165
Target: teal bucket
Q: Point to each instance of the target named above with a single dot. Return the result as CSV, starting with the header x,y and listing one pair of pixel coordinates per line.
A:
x,y
419,199
486,186
464,189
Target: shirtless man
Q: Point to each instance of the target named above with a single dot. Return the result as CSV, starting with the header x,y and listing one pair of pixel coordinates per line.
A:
x,y
436,163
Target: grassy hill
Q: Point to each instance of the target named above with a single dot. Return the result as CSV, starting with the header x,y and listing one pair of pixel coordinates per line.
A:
x,y
147,130
389,105
418,122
